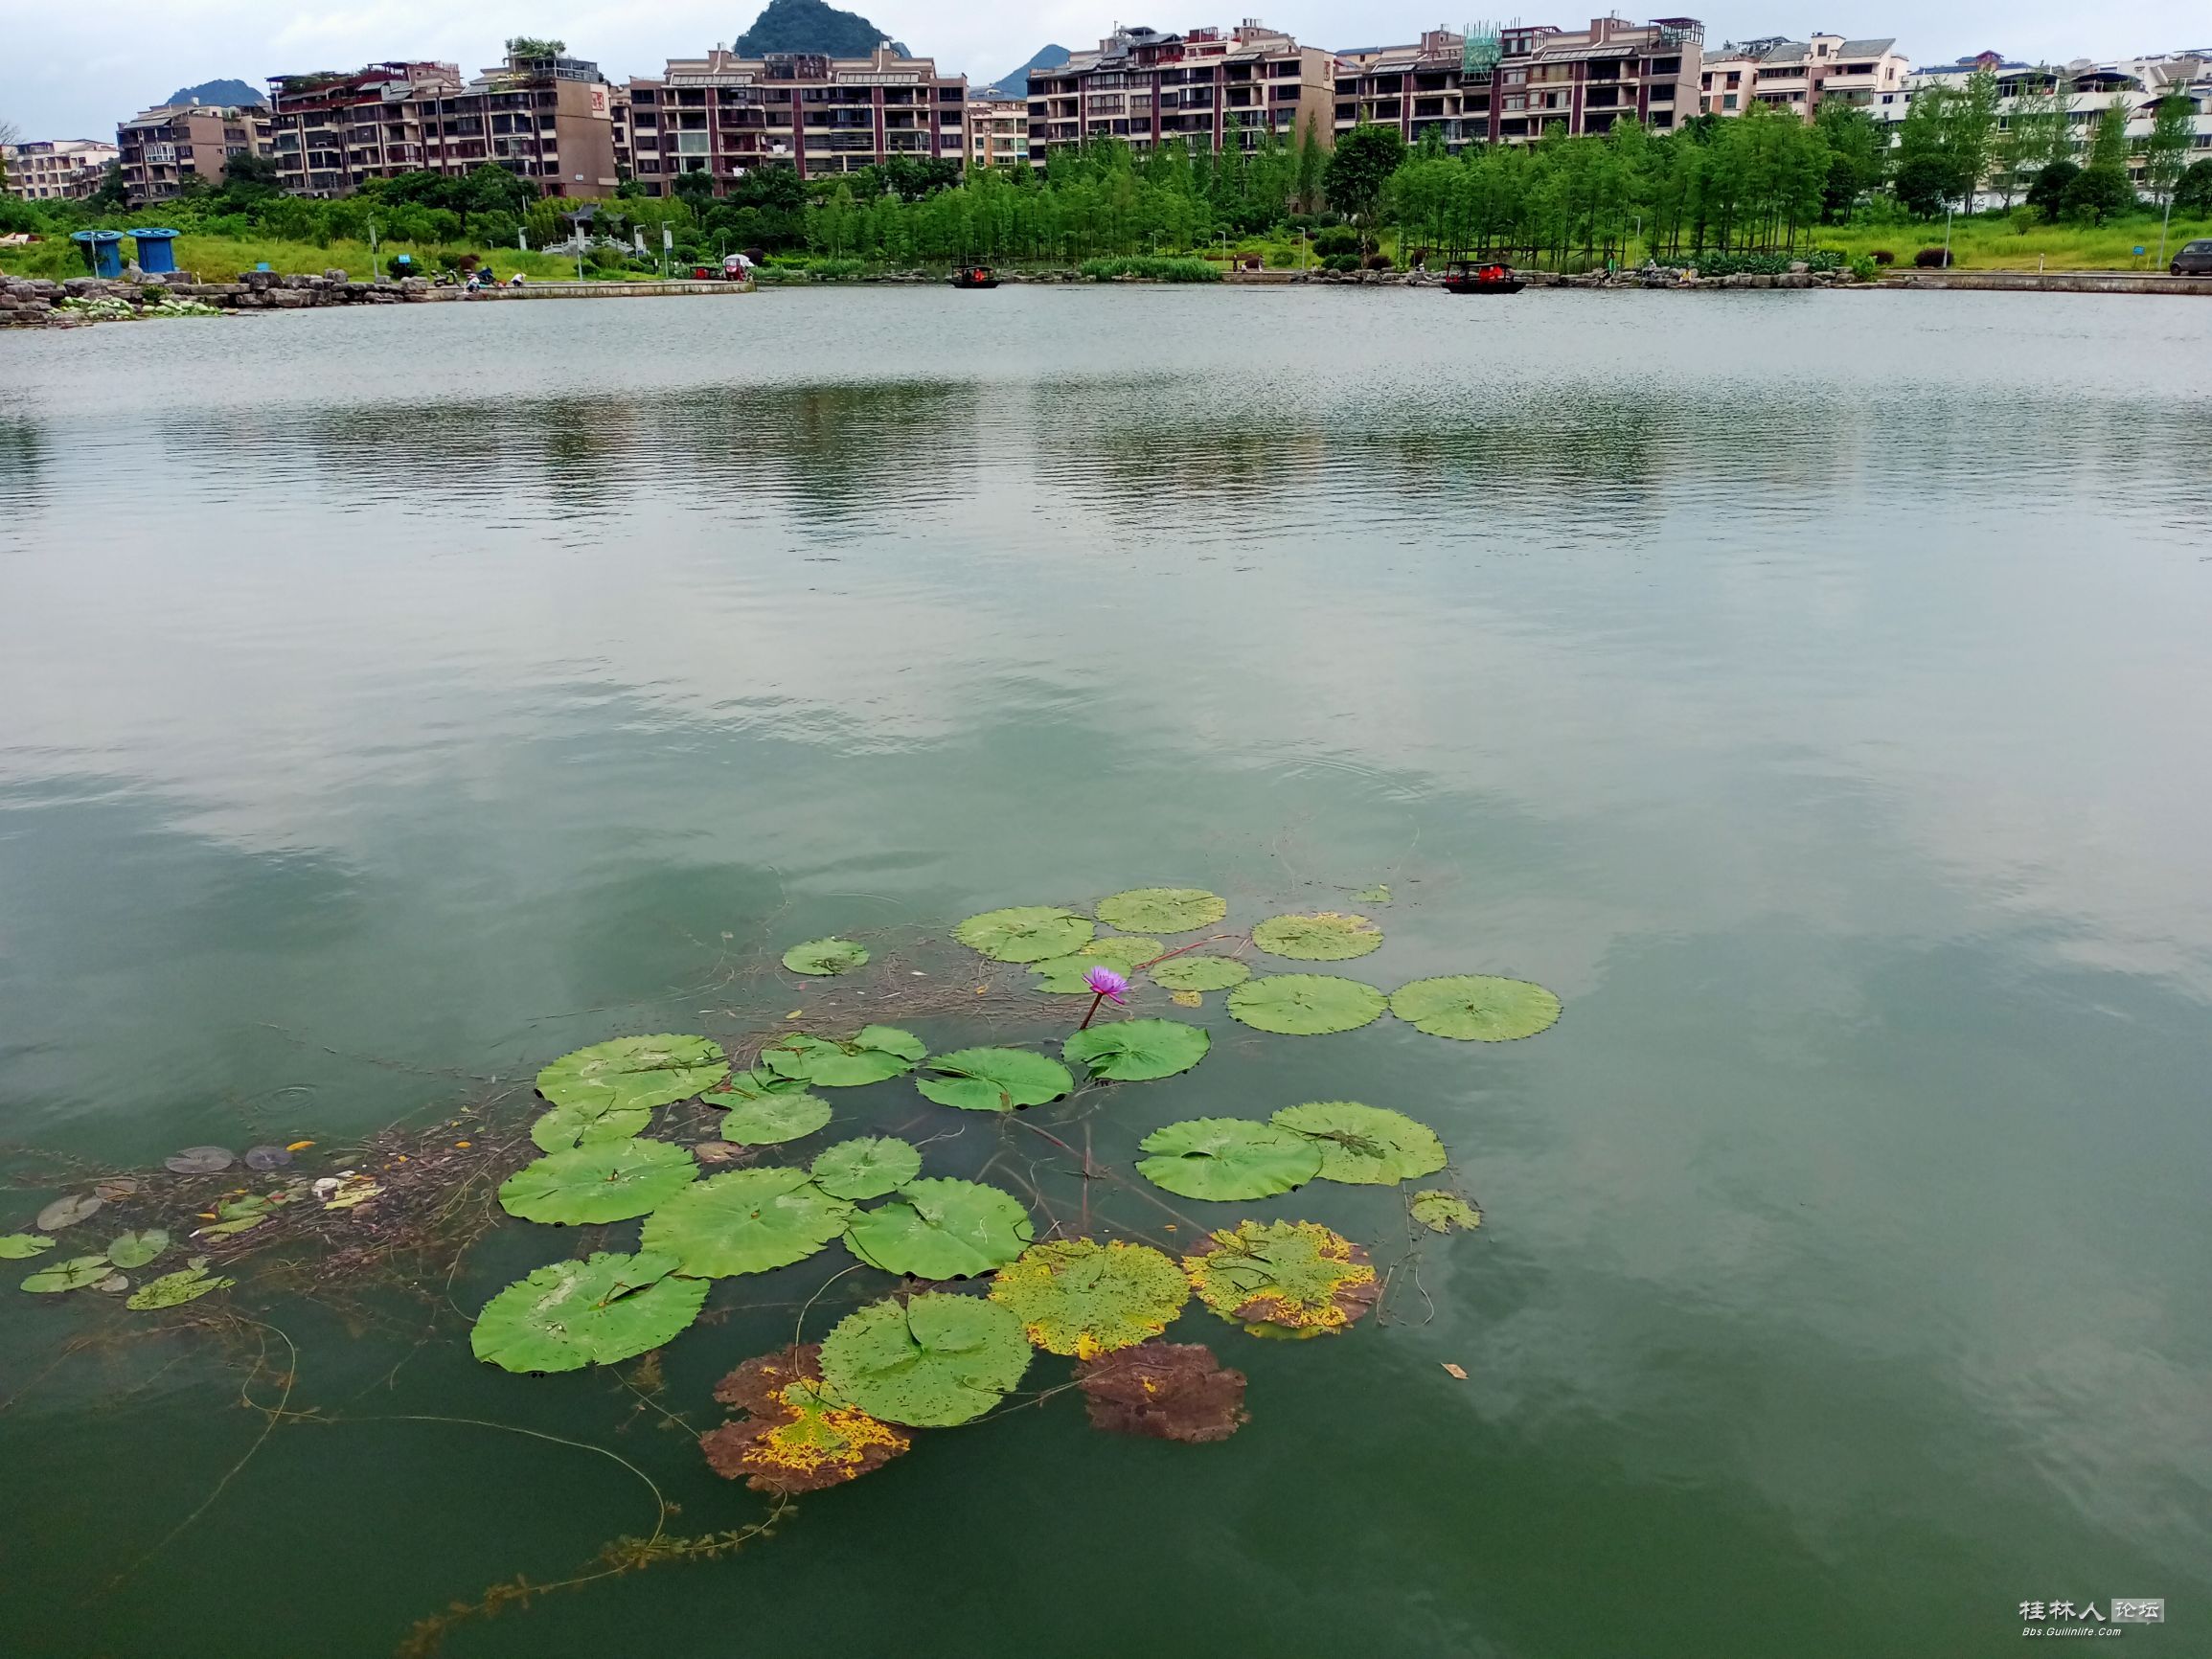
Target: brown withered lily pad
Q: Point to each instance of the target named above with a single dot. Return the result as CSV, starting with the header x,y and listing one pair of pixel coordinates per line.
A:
x,y
792,1434
1282,1279
1167,1390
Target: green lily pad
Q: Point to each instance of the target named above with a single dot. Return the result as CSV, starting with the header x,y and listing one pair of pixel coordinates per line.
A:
x,y
611,1181
756,1084
1322,937
1228,1158
586,1124
1379,894
1282,1277
1199,973
76,1273
869,1056
1162,909
867,1168
22,1246
931,1362
634,1072
1064,975
994,1080
1475,1007
746,1221
1306,1004
137,1249
1441,1211
571,1315
773,1119
1026,933
823,957
941,1229
1081,1297
188,1283
1138,1050
1365,1146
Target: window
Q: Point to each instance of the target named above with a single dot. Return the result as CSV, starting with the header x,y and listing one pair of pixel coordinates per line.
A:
x,y
1727,100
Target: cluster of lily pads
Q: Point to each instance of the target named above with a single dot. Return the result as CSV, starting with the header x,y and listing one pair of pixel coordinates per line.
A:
x,y
926,1358
108,1269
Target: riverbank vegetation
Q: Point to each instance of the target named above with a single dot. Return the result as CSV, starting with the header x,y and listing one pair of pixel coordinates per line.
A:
x,y
1759,183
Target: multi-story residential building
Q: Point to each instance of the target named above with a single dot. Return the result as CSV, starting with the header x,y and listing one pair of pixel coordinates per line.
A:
x,y
2085,89
1582,81
723,115
1799,75
1146,87
997,131
55,168
547,118
159,149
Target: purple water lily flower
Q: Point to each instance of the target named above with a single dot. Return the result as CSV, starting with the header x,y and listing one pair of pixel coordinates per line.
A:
x,y
1106,983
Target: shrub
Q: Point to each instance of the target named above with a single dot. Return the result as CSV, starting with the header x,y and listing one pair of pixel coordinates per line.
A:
x,y
1863,269
604,259
2047,191
1341,263
1756,265
1161,269
2194,194
1932,259
1378,262
2099,194
1331,243
1883,257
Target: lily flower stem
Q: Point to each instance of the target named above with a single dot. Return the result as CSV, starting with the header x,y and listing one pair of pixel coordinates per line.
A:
x,y
1093,1015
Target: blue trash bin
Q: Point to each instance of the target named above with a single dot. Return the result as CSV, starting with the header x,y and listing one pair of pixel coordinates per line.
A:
x,y
103,251
156,251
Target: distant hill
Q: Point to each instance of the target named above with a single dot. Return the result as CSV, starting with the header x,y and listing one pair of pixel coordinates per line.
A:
x,y
1017,84
812,25
226,93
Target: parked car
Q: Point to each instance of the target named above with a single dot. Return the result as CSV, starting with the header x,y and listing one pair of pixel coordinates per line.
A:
x,y
2195,260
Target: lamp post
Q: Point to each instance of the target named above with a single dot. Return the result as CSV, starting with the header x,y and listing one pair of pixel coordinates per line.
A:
x,y
2163,223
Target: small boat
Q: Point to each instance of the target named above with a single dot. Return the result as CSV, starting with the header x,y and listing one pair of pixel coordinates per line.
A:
x,y
1466,277
974,277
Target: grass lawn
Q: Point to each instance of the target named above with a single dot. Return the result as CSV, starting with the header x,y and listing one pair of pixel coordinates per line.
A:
x,y
1998,242
221,259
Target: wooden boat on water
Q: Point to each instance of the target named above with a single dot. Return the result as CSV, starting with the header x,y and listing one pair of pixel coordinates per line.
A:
x,y
974,277
1468,277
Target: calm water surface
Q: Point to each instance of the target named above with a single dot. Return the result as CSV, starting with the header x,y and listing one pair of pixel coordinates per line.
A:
x,y
1809,687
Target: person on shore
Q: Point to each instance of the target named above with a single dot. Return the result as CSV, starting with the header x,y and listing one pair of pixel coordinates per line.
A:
x,y
515,280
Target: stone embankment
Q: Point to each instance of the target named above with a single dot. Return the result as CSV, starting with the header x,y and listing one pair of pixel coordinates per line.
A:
x,y
27,303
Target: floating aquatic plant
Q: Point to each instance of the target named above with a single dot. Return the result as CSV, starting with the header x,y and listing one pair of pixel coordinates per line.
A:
x,y
1322,937
1365,1146
1475,1007
929,1362
867,1168
1081,1297
1442,1212
21,1246
1201,973
137,1249
75,1273
869,1056
793,1435
68,1212
1106,985
941,1229
1306,1004
1162,909
1166,1391
1069,975
1138,1050
772,1118
1228,1159
200,1161
1026,933
611,1181
993,1079
1282,1277
634,1072
826,957
745,1221
189,1284
586,1123
570,1314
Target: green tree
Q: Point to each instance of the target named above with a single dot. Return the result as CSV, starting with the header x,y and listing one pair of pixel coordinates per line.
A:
x,y
696,188
1312,164
531,46
1363,159
1923,174
2024,137
2047,189
1969,125
2101,190
2194,194
248,177
2166,150
1856,147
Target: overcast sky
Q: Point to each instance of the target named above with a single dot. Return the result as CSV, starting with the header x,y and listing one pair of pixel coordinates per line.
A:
x,y
72,71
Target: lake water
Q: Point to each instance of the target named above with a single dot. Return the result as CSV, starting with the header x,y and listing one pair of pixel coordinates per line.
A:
x,y
1808,688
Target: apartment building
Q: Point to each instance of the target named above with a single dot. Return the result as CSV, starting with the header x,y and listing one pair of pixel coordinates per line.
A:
x,y
159,149
997,132
1143,87
547,118
1511,86
1798,74
2086,89
723,115
55,168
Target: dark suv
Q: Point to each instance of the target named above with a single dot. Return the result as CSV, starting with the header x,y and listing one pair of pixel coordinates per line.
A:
x,y
2195,260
